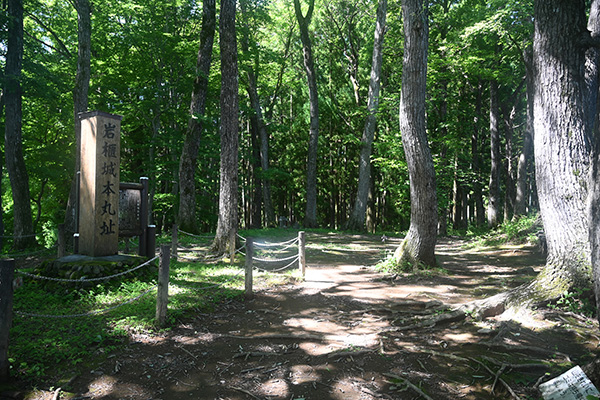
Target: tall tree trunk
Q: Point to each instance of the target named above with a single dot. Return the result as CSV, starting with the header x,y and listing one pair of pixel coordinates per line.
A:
x,y
527,148
227,223
80,99
476,157
563,102
419,244
15,162
260,127
509,111
592,78
494,189
189,154
310,218
562,142
357,218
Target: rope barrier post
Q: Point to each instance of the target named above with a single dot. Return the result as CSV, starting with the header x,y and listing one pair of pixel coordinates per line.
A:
x,y
76,243
61,240
232,242
7,272
162,297
174,241
249,255
302,252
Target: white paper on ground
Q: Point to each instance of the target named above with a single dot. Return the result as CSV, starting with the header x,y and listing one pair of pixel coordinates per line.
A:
x,y
572,385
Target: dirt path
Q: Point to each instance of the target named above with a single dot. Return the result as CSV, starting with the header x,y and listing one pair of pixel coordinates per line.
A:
x,y
341,334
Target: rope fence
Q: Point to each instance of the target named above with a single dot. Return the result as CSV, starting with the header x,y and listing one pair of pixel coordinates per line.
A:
x,y
254,252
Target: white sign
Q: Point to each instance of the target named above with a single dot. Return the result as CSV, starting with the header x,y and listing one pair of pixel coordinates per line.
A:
x,y
572,385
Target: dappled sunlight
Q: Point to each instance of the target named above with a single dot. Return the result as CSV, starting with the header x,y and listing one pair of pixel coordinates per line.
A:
x,y
110,386
278,386
459,337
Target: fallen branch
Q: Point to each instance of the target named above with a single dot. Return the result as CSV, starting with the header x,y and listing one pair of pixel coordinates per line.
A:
x,y
346,353
249,354
453,316
409,384
515,366
497,376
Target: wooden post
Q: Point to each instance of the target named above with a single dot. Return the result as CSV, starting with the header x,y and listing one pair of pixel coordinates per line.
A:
x,y
142,246
76,243
151,241
174,241
232,242
7,272
62,242
162,297
302,253
249,255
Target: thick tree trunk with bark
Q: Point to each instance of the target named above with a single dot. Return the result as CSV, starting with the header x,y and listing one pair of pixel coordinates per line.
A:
x,y
562,142
80,98
593,78
357,218
189,154
229,102
13,140
563,102
419,244
493,210
310,218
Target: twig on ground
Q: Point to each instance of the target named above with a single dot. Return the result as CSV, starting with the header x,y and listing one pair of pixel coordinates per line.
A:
x,y
502,381
187,351
409,384
249,354
56,395
346,353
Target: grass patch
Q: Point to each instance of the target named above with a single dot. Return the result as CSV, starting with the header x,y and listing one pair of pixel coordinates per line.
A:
x,y
42,347
522,231
391,266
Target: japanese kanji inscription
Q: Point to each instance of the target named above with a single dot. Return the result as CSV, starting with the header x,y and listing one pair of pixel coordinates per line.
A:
x,y
99,184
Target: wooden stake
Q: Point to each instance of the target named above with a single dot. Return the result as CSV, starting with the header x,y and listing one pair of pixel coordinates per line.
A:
x,y
174,241
302,252
162,297
249,255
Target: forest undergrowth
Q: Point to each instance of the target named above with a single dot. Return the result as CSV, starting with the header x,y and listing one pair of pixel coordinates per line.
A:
x,y
387,334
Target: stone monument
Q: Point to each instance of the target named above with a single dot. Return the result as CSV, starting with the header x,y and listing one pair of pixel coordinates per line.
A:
x,y
99,184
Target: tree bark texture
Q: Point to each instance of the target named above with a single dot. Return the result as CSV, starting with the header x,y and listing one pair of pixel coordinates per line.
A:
x,y
229,102
357,218
15,162
592,78
259,125
419,243
189,155
80,98
525,157
310,218
476,157
493,210
562,143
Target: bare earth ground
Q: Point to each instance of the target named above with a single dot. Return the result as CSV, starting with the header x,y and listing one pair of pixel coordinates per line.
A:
x,y
348,332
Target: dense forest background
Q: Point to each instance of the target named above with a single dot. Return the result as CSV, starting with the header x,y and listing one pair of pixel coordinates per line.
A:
x,y
143,65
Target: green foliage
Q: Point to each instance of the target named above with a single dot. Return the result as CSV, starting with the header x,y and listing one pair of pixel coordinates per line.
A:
x,y
578,301
38,345
521,230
